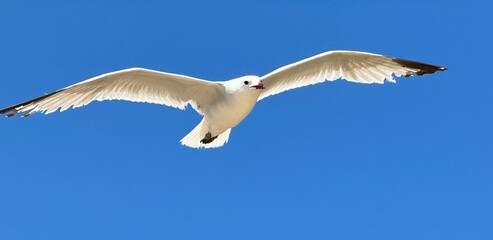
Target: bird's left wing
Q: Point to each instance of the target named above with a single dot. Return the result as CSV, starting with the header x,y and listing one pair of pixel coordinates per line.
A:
x,y
134,84
352,66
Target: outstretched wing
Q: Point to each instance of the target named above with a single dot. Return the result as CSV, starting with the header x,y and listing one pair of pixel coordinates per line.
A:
x,y
352,66
134,84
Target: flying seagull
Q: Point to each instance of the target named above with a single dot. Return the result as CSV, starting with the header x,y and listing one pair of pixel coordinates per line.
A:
x,y
223,104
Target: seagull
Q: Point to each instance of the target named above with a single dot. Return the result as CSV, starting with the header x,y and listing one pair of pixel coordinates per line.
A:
x,y
223,104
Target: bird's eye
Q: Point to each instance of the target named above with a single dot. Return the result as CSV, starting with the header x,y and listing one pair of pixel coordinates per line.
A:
x,y
246,82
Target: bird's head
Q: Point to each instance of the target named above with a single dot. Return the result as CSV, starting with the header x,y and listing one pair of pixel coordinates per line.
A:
x,y
253,82
246,83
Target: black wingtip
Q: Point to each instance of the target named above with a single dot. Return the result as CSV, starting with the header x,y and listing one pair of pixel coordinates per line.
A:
x,y
13,110
423,68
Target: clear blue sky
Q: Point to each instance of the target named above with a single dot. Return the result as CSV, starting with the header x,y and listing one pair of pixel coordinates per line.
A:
x,y
412,160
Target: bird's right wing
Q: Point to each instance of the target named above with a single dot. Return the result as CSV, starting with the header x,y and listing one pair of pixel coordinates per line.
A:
x,y
134,84
360,67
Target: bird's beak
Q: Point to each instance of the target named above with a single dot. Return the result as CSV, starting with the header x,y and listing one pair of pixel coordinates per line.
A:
x,y
260,85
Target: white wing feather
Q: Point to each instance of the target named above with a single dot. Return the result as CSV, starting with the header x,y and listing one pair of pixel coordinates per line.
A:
x,y
134,84
352,66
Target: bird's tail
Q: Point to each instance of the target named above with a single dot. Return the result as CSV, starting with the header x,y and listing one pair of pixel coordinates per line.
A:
x,y
193,138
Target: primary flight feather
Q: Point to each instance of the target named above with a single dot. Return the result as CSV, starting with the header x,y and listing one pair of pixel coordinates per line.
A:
x,y
223,104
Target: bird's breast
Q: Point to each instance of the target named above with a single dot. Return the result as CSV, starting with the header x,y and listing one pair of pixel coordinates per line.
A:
x,y
231,111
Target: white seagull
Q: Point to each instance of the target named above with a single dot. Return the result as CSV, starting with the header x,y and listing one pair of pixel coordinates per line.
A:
x,y
223,104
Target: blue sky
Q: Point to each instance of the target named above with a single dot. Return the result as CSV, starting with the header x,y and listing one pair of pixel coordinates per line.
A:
x,y
339,160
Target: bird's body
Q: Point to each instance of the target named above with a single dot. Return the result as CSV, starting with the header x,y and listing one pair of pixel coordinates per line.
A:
x,y
223,104
231,107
